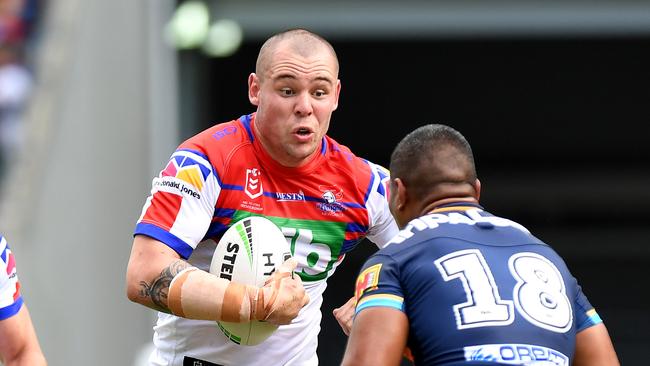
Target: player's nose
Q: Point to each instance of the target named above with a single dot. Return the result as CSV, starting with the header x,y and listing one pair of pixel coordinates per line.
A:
x,y
303,106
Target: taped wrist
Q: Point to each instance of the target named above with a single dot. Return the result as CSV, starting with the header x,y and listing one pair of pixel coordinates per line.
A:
x,y
196,294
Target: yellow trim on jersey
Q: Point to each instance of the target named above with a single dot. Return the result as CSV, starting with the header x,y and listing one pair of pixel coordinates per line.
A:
x,y
381,296
591,312
453,208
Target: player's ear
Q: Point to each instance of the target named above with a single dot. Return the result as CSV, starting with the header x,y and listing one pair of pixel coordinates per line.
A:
x,y
253,89
477,189
336,95
401,195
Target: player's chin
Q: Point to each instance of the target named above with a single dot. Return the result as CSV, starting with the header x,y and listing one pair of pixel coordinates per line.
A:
x,y
304,151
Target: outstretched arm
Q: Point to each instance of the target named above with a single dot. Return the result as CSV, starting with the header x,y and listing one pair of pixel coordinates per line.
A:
x,y
18,343
378,338
594,348
158,278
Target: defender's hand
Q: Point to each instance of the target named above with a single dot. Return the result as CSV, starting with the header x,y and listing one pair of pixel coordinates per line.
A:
x,y
344,315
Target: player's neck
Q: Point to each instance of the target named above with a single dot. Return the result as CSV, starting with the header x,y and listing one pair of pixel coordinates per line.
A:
x,y
436,204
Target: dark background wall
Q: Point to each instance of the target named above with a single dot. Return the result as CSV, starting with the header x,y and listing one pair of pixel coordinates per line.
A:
x,y
560,129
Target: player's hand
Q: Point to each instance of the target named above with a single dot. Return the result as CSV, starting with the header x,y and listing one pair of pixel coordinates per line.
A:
x,y
344,315
284,294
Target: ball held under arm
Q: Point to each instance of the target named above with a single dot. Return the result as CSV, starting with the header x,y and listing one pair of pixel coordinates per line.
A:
x,y
196,294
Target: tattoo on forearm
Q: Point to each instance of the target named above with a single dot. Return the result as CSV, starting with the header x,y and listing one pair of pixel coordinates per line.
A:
x,y
158,288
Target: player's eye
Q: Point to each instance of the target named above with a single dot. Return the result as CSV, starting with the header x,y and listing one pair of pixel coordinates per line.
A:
x,y
320,93
287,92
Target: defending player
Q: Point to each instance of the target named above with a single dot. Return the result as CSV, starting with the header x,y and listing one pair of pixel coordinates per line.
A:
x,y
461,286
279,163
18,343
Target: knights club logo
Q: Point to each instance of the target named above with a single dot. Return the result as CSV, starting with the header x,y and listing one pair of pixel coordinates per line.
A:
x,y
253,187
331,196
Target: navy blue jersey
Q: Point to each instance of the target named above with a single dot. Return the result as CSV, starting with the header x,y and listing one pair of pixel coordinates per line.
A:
x,y
477,289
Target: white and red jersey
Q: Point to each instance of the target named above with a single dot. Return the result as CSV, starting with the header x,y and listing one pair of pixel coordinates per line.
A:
x,y
324,208
10,299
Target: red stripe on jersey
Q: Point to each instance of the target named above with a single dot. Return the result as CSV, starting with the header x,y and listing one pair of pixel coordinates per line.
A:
x,y
222,220
11,262
353,235
17,293
163,210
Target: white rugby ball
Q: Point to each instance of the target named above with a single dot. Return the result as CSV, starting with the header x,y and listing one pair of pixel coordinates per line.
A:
x,y
248,253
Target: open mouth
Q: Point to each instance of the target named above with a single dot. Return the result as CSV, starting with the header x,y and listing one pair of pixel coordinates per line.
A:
x,y
303,131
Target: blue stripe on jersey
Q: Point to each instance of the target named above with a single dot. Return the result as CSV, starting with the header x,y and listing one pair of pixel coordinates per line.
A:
x,y
224,212
386,301
354,227
323,147
372,181
349,245
381,190
11,310
314,199
215,229
3,255
246,121
306,198
232,187
352,205
195,152
182,248
216,176
381,173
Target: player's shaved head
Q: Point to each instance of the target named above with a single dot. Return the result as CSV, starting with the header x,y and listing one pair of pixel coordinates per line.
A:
x,y
298,40
434,161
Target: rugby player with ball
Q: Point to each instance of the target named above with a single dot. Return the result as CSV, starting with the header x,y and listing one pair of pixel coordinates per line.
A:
x,y
193,247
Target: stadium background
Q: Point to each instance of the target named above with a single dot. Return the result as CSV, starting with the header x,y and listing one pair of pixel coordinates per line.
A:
x,y
553,98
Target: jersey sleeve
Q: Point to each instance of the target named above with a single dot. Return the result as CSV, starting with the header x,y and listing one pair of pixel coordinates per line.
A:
x,y
378,284
10,299
382,224
180,207
586,315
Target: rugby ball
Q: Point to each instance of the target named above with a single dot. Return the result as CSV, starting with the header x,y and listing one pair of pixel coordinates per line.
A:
x,y
248,253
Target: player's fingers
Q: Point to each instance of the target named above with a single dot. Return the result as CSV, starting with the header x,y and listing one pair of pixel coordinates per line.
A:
x,y
276,277
298,279
288,266
305,299
288,298
345,316
349,305
284,270
345,325
297,284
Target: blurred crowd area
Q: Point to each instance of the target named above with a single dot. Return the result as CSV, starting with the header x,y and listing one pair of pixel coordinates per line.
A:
x,y
19,21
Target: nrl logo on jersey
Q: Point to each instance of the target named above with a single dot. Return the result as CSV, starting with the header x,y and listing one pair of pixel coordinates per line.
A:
x,y
253,187
330,204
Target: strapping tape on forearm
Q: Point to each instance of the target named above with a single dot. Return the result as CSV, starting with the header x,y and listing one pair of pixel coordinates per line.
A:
x,y
196,294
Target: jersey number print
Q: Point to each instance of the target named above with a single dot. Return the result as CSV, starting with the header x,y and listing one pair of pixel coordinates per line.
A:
x,y
539,294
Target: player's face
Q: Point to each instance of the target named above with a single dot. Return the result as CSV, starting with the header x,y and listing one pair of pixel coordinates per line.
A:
x,y
295,98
